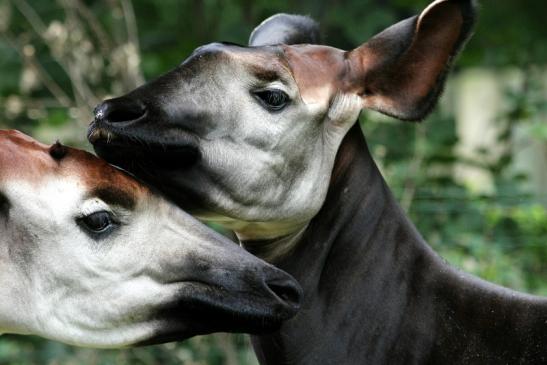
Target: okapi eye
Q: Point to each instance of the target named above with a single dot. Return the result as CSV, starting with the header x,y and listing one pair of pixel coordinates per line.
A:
x,y
4,204
97,223
273,99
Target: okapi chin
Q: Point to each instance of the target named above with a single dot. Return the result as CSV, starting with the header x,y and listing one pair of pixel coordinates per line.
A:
x,y
283,163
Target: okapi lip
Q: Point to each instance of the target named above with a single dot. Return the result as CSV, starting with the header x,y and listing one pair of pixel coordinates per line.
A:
x,y
125,151
199,311
188,318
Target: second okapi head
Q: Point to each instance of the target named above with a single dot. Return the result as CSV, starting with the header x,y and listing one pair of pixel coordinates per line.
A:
x,y
247,136
89,256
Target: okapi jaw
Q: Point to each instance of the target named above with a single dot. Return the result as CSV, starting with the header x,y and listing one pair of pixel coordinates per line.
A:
x,y
267,121
91,257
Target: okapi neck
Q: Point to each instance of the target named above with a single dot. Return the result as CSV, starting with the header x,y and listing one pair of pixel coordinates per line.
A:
x,y
359,217
376,293
354,263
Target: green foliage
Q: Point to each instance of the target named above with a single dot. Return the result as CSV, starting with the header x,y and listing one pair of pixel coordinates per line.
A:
x,y
500,236
216,349
58,59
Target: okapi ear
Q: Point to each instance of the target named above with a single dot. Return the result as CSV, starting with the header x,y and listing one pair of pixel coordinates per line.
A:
x,y
401,71
285,29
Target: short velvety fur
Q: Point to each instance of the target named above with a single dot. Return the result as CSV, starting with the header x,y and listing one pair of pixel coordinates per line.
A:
x,y
375,292
40,160
91,257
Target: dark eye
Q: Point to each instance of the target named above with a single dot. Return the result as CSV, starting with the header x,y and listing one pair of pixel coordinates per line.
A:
x,y
97,223
272,99
4,204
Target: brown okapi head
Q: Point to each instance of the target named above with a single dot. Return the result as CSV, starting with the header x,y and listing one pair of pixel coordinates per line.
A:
x,y
247,136
90,256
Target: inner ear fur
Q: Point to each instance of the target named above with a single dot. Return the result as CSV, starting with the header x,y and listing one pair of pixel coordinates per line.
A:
x,y
401,71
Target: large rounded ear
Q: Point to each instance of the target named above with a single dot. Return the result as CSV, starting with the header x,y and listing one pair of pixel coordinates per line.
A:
x,y
401,71
285,29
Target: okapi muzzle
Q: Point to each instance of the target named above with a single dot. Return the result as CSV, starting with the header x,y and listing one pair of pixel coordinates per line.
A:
x,y
115,117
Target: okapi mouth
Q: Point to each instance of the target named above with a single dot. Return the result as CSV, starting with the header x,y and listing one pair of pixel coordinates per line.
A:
x,y
132,152
202,309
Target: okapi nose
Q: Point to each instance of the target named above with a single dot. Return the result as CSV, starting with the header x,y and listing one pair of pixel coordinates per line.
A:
x,y
119,110
284,287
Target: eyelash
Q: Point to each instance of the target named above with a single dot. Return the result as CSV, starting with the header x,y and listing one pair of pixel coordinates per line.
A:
x,y
272,99
87,224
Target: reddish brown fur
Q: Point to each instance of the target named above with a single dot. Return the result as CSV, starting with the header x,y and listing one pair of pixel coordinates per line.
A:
x,y
23,158
406,84
319,71
393,75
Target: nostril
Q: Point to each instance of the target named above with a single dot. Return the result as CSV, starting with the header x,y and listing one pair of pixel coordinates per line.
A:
x,y
119,110
288,293
117,116
285,288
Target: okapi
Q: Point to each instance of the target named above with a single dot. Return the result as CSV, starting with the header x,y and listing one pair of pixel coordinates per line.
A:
x,y
91,257
263,140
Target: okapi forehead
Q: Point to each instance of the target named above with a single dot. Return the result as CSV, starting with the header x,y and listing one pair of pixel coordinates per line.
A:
x,y
266,63
319,71
23,158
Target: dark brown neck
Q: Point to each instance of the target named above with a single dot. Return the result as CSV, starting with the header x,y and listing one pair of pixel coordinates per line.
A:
x,y
376,293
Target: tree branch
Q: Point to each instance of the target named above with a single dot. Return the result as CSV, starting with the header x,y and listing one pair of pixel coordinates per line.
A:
x,y
42,74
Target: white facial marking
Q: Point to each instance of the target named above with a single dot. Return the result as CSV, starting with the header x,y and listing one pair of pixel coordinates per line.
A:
x,y
275,167
93,205
62,283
